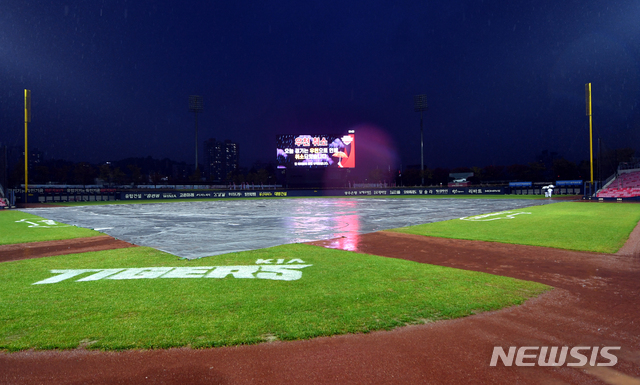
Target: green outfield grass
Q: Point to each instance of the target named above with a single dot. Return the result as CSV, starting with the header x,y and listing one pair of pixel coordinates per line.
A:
x,y
341,292
19,227
598,227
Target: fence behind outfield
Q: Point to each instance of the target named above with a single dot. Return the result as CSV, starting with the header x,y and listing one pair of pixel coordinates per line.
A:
x,y
49,194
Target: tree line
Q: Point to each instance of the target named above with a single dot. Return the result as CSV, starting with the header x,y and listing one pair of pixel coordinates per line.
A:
x,y
547,168
138,171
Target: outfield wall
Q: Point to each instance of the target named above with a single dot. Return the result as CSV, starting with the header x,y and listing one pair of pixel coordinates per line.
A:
x,y
68,194
129,195
53,195
97,194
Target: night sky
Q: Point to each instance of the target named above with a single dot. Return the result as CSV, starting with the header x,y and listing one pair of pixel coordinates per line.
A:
x,y
110,79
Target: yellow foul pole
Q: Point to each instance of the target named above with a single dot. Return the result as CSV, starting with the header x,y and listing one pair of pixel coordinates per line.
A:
x,y
587,89
27,119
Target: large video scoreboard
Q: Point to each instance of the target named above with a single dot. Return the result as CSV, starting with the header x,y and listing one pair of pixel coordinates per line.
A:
x,y
316,151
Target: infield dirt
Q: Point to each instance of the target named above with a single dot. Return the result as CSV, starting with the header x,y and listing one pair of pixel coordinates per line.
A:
x,y
66,246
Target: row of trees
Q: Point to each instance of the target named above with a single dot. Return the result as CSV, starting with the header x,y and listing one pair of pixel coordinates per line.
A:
x,y
562,169
255,175
546,169
135,171
165,171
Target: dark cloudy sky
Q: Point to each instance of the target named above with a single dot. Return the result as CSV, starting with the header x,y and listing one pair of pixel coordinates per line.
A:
x,y
504,79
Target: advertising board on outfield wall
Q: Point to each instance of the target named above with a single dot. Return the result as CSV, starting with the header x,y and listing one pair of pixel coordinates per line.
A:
x,y
129,195
67,194
46,195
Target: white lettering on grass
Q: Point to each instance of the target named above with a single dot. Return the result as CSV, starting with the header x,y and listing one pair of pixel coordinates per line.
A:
x,y
282,273
43,223
235,271
279,261
102,274
141,273
272,272
64,274
188,272
494,216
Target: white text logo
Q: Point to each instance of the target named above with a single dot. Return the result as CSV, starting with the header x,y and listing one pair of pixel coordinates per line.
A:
x,y
494,216
283,272
46,223
548,356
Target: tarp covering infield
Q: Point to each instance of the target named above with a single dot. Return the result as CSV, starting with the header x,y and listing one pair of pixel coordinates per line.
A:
x,y
206,228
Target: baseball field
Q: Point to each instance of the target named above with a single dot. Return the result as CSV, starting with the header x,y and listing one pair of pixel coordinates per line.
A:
x,y
448,274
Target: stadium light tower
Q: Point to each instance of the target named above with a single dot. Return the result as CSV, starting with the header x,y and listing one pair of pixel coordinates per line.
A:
x,y
587,90
195,106
420,105
27,119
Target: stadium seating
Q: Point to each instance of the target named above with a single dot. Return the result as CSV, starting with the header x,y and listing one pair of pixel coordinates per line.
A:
x,y
626,185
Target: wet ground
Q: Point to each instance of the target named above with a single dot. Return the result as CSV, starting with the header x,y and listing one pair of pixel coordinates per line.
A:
x,y
201,229
594,305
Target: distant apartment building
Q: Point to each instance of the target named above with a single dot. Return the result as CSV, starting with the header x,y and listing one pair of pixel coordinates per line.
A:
x,y
4,166
221,158
13,157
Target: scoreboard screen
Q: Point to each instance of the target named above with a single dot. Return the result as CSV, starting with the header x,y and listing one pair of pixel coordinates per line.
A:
x,y
316,151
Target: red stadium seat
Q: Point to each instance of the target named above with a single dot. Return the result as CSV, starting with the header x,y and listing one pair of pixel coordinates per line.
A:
x,y
626,185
